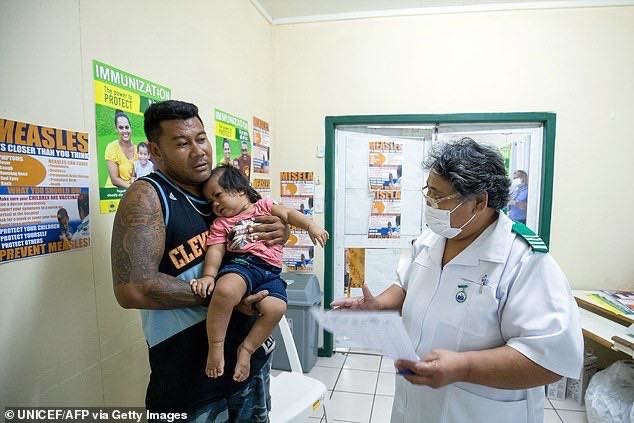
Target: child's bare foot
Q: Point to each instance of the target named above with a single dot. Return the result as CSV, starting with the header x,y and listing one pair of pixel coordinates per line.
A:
x,y
243,363
215,359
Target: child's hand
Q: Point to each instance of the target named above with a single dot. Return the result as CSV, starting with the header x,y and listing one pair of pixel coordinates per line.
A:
x,y
203,286
318,234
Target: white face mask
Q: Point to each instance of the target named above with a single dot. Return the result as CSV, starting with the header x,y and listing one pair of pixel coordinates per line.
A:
x,y
516,182
439,221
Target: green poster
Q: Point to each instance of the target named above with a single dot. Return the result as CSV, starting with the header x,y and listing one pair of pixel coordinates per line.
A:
x,y
233,145
120,100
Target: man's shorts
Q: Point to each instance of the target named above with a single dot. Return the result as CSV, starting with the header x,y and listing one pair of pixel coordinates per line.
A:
x,y
257,274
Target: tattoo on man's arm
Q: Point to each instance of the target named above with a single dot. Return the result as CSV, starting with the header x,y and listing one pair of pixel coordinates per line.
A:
x,y
138,240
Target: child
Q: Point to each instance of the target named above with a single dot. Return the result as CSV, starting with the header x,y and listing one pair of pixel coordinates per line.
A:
x,y
143,166
250,266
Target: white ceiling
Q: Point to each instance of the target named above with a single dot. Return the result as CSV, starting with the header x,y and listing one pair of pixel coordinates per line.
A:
x,y
295,11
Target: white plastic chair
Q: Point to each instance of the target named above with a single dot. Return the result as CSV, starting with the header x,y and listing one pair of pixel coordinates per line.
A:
x,y
294,396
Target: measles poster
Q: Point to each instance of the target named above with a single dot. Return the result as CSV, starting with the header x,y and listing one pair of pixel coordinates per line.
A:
x,y
385,217
385,165
385,168
44,180
261,146
122,151
262,186
233,145
298,189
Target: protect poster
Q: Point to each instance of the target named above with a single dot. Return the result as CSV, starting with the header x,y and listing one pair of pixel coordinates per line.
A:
x,y
44,180
233,145
261,146
123,155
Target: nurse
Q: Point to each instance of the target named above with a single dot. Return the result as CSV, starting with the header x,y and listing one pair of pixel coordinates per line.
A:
x,y
489,311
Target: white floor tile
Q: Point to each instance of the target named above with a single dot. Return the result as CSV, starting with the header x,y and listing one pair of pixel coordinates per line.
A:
x,y
342,349
350,407
567,405
358,381
385,385
336,360
550,416
387,365
362,362
547,404
327,375
382,409
364,351
568,416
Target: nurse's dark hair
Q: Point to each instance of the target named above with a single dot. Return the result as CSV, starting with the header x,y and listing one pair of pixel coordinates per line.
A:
x,y
472,169
231,179
166,110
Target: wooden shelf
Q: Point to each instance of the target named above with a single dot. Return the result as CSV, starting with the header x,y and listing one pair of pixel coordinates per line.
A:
x,y
608,314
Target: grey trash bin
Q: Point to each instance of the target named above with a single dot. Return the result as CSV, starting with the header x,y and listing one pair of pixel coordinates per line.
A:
x,y
303,293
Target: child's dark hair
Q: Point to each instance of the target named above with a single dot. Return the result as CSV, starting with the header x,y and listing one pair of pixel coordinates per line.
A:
x,y
142,145
231,179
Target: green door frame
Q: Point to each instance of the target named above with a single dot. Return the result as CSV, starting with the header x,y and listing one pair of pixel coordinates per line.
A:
x,y
548,120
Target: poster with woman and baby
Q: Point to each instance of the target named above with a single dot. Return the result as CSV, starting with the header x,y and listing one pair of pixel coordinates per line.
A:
x,y
123,154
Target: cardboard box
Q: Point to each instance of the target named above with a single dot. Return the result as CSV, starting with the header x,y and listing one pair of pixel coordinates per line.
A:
x,y
557,390
576,388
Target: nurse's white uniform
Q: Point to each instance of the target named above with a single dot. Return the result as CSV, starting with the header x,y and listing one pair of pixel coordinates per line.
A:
x,y
496,292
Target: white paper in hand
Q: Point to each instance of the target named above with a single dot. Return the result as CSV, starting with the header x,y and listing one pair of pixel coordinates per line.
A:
x,y
380,331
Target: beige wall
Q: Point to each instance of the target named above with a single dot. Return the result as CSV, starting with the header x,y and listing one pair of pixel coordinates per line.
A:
x,y
573,62
63,338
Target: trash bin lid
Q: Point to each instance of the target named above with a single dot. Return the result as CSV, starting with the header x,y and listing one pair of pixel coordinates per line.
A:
x,y
303,289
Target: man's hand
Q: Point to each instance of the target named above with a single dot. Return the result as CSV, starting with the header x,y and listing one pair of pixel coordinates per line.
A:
x,y
270,229
247,305
436,369
203,286
366,302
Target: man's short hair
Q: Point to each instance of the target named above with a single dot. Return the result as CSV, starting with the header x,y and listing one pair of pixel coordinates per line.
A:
x,y
166,110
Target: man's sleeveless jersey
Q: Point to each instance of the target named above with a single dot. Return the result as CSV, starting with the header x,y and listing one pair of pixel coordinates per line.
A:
x,y
177,338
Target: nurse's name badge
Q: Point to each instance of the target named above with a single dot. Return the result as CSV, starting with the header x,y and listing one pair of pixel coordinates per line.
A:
x,y
461,295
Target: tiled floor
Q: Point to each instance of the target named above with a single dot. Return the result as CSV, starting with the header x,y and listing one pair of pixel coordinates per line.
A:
x,y
361,389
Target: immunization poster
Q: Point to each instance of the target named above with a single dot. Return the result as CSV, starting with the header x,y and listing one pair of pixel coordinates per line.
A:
x,y
261,146
297,189
44,180
233,145
122,153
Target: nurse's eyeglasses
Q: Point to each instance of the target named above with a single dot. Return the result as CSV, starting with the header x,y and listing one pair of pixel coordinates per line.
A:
x,y
435,202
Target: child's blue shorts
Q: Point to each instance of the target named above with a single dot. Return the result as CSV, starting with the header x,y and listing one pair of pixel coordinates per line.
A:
x,y
258,274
